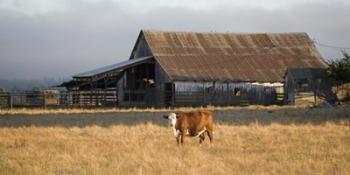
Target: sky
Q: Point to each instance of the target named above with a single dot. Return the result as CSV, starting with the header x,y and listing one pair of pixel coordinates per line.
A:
x,y
60,38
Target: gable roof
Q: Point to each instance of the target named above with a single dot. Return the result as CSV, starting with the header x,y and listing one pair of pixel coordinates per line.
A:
x,y
262,57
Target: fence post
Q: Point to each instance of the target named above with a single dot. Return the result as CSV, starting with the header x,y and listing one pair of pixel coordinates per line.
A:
x,y
315,98
10,103
44,99
91,88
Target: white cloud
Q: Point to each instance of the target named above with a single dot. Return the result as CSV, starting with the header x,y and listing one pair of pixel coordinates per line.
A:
x,y
31,7
35,7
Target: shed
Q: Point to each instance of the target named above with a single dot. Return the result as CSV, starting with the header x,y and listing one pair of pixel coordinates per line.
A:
x,y
307,80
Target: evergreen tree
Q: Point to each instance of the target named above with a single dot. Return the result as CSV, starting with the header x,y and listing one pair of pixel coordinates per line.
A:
x,y
339,71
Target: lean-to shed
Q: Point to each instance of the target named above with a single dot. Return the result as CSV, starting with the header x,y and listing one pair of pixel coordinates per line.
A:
x,y
307,80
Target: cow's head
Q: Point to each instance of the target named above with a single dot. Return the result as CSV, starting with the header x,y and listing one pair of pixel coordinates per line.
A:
x,y
171,119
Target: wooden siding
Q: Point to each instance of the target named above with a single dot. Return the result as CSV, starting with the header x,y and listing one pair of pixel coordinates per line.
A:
x,y
152,96
219,93
141,48
161,79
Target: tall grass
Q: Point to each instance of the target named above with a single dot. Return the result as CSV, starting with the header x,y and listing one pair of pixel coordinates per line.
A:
x,y
150,149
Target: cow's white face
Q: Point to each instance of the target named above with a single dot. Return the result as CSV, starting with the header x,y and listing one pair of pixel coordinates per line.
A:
x,y
172,119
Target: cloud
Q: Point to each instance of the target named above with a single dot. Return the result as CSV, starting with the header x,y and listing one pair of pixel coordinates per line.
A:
x,y
60,38
33,7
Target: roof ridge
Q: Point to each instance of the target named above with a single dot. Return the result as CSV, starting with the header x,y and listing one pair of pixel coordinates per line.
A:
x,y
215,32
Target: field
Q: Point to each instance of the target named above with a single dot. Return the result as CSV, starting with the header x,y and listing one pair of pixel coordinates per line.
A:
x,y
247,141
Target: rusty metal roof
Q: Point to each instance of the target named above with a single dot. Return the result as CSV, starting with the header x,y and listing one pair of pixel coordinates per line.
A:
x,y
262,57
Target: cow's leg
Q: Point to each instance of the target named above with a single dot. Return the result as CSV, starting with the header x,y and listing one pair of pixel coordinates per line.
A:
x,y
210,135
201,135
182,135
210,131
177,135
178,139
201,138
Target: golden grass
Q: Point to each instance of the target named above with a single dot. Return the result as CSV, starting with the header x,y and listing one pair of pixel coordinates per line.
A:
x,y
150,149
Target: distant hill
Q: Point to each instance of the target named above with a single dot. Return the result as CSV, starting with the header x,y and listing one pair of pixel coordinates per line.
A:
x,y
22,84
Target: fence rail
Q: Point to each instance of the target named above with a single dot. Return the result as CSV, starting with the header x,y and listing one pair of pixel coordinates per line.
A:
x,y
59,99
4,100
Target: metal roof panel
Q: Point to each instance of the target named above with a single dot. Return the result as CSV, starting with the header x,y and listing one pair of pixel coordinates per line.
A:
x,y
111,67
231,56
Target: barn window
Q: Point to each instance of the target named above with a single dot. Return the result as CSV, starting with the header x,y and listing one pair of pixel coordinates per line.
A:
x,y
237,92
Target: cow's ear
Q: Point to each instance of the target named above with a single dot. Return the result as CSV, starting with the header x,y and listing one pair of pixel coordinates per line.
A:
x,y
165,116
177,115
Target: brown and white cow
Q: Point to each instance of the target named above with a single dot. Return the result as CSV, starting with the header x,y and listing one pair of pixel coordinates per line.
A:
x,y
194,124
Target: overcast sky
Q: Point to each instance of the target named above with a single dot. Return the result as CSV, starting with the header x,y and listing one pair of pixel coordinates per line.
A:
x,y
60,38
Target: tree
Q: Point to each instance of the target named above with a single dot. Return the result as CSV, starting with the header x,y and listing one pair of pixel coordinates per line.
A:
x,y
339,71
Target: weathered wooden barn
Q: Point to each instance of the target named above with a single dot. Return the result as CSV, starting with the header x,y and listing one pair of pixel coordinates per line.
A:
x,y
195,69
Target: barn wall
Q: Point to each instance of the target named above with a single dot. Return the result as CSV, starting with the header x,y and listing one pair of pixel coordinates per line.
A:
x,y
137,87
154,96
141,49
289,89
161,80
127,82
157,96
220,93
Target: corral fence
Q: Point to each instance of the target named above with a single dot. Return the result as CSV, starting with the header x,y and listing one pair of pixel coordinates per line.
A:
x,y
95,98
58,99
4,99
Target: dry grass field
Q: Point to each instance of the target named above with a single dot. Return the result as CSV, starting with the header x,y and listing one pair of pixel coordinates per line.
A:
x,y
279,141
36,111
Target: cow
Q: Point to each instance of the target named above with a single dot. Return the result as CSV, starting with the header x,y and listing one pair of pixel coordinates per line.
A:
x,y
194,124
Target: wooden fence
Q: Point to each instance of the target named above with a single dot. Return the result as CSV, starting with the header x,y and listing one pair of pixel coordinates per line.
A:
x,y
89,98
4,99
63,99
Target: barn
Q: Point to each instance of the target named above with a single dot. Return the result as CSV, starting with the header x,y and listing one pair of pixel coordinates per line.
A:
x,y
196,69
